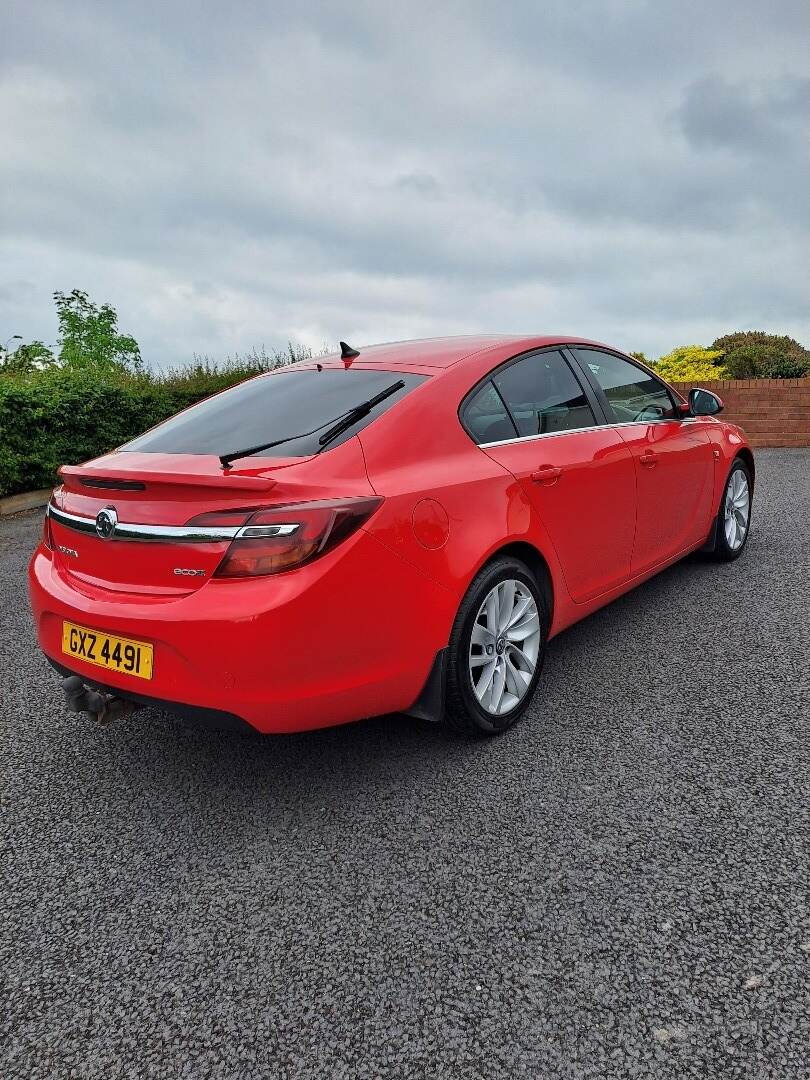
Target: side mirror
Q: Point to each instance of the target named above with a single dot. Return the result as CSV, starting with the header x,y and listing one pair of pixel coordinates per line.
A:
x,y
704,403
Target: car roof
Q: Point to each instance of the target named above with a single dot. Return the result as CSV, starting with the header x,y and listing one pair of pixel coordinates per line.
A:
x,y
438,352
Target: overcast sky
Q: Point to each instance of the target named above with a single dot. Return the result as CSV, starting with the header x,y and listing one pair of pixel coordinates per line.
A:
x,y
228,175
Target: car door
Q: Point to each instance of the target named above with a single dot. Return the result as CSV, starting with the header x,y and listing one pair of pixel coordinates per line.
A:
x,y
673,456
543,423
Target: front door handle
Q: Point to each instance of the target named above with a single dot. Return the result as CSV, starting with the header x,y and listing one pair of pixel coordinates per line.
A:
x,y
546,475
648,459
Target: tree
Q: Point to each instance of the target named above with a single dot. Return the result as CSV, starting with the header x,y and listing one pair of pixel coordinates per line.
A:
x,y
25,359
89,336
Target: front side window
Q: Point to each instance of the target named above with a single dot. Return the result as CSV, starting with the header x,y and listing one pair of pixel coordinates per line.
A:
x,y
632,394
543,395
286,403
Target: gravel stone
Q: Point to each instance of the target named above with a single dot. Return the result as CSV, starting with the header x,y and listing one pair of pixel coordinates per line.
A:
x,y
583,897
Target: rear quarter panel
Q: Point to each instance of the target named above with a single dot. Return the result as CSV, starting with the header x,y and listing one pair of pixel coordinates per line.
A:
x,y
448,506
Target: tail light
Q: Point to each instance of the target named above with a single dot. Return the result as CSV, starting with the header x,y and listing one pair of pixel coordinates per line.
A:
x,y
272,541
47,535
46,532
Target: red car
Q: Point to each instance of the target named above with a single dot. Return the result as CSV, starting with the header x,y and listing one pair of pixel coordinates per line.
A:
x,y
396,530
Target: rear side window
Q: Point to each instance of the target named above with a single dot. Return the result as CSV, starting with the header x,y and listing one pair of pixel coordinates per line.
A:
x,y
543,395
485,416
287,403
632,394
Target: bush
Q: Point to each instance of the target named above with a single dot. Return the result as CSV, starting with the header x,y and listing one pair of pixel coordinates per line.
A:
x,y
784,367
760,362
753,354
780,343
691,363
67,415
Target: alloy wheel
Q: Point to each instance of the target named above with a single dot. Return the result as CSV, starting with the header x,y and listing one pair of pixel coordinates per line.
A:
x,y
737,509
504,646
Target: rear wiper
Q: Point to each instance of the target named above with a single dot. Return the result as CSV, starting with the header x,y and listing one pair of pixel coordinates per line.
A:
x,y
339,425
357,413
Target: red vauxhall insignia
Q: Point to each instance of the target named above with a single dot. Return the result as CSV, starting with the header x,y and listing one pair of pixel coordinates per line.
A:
x,y
399,529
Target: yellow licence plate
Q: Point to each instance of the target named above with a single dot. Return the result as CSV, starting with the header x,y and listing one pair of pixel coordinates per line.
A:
x,y
105,650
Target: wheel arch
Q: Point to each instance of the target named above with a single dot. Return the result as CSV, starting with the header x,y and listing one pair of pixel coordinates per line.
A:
x,y
430,705
536,562
745,454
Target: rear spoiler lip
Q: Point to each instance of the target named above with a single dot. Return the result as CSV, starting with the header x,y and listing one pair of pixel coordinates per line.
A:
x,y
231,482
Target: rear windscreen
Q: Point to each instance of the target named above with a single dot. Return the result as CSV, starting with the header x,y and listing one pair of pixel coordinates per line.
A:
x,y
287,403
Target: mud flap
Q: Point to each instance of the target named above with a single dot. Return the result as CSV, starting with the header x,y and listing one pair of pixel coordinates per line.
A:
x,y
430,703
711,542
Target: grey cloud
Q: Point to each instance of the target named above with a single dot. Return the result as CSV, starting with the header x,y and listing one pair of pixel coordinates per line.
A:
x,y
422,183
746,117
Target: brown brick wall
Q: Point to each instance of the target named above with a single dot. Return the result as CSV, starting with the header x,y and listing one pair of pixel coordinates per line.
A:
x,y
771,412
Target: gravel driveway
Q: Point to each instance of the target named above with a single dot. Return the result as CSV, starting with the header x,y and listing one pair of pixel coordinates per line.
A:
x,y
617,888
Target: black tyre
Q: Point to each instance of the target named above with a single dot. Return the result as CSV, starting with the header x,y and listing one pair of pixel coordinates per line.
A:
x,y
496,649
733,525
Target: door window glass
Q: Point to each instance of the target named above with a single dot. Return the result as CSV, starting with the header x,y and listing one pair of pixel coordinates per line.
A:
x,y
632,394
544,395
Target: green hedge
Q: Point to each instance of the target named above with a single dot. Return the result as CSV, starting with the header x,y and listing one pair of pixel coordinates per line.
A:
x,y
66,416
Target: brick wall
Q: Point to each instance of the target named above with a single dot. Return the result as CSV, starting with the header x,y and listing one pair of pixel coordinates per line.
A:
x,y
771,412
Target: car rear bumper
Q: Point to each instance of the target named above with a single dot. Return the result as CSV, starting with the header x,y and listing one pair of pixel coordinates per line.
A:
x,y
351,635
209,719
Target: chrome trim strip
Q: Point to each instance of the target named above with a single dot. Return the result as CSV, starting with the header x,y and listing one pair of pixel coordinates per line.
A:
x,y
184,534
666,420
161,534
71,521
249,531
543,435
592,427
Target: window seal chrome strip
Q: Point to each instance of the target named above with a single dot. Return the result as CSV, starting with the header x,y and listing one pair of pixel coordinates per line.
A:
x,y
541,435
591,427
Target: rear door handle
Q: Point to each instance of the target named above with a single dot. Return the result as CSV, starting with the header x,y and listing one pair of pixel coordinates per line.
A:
x,y
648,459
546,474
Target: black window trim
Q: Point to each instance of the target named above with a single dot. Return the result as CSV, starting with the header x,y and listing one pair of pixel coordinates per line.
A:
x,y
505,404
593,382
599,414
